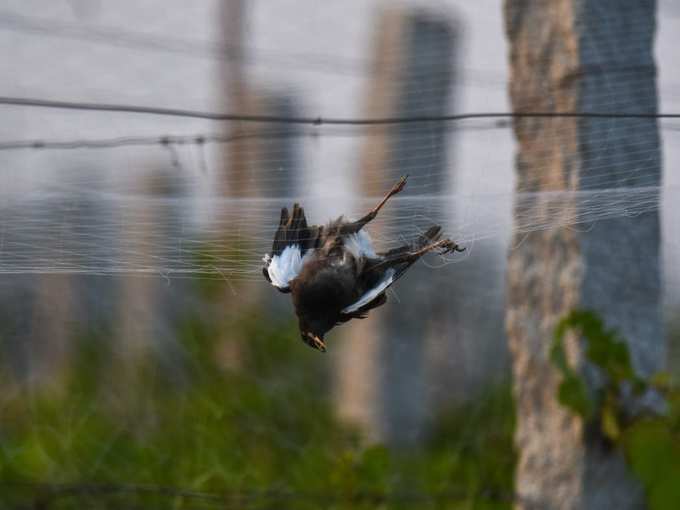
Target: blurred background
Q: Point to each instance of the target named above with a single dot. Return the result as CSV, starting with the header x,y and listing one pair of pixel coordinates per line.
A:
x,y
145,362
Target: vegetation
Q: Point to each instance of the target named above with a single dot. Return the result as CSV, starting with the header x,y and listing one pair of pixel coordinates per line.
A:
x,y
256,433
648,437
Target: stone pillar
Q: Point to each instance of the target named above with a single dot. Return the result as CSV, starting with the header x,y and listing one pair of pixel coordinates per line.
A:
x,y
424,88
358,363
236,181
150,306
579,55
382,368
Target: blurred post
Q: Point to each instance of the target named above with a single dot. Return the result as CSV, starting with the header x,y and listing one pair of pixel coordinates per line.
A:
x,y
383,367
425,87
235,182
586,55
149,309
261,161
357,372
52,327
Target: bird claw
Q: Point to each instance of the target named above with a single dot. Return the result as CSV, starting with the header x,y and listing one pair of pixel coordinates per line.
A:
x,y
399,185
447,246
317,343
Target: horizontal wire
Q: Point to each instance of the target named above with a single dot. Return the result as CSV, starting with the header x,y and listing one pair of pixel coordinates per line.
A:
x,y
202,139
198,139
316,121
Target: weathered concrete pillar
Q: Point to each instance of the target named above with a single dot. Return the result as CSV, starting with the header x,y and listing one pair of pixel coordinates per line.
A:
x,y
425,87
149,306
382,373
236,179
580,55
357,388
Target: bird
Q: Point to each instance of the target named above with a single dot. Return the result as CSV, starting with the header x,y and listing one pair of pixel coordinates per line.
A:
x,y
333,272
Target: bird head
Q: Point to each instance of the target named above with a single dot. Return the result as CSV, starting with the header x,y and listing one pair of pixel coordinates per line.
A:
x,y
318,297
312,333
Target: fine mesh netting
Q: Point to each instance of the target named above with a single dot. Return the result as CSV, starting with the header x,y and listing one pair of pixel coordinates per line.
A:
x,y
101,233
146,150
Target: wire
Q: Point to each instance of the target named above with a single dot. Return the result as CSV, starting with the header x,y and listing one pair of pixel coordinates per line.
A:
x,y
316,121
202,139
199,139
103,143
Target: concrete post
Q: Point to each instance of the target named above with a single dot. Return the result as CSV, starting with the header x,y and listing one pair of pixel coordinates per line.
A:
x,y
580,55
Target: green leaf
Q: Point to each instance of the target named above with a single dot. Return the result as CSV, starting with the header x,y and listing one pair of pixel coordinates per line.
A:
x,y
665,492
650,449
573,394
558,356
610,422
661,381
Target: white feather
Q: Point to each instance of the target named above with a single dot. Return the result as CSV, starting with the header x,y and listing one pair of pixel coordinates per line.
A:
x,y
287,266
373,293
360,245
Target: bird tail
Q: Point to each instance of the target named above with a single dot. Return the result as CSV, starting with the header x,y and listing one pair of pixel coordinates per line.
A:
x,y
293,230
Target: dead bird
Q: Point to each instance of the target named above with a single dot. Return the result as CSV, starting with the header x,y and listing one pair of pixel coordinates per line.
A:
x,y
333,272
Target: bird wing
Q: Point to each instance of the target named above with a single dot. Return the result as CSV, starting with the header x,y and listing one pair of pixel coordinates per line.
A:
x,y
362,313
372,293
382,272
294,242
374,296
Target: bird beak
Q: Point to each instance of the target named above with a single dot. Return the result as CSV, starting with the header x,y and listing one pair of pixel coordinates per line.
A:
x,y
316,342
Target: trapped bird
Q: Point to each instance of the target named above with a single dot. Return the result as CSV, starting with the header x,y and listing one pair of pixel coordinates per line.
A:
x,y
333,273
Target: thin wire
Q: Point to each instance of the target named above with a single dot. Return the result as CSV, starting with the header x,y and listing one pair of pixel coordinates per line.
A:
x,y
197,139
103,143
203,139
316,121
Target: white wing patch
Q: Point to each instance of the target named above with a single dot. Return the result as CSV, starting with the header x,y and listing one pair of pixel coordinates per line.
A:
x,y
285,267
360,244
373,293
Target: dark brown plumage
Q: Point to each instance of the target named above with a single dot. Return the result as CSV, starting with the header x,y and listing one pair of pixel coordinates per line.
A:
x,y
332,271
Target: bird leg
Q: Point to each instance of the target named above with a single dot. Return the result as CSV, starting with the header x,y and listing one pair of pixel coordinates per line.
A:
x,y
443,246
355,226
395,189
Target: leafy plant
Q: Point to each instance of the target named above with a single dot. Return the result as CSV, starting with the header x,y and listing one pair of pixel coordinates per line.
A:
x,y
650,441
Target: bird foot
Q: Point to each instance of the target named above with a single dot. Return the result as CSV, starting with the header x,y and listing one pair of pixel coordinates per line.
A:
x,y
317,343
447,246
395,189
399,186
320,345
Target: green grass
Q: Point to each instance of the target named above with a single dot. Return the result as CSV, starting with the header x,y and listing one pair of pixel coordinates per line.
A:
x,y
262,435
